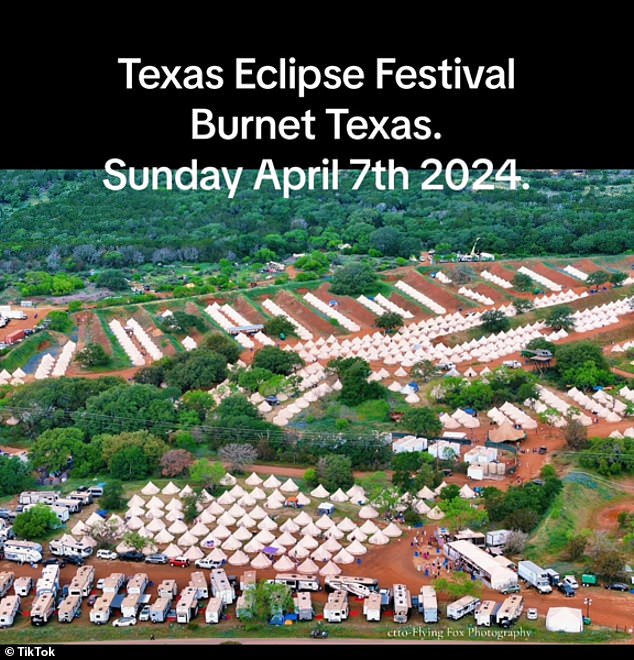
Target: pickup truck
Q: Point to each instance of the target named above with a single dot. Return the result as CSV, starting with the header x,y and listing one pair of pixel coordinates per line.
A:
x,y
512,364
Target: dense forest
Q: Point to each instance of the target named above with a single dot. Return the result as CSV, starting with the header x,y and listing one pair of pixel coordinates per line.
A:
x,y
67,220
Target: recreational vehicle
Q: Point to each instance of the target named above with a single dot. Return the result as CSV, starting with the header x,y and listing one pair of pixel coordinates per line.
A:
x,y
81,584
353,584
428,604
43,609
73,506
38,497
130,605
137,583
68,609
402,603
22,585
9,607
167,589
213,611
336,608
510,611
113,583
372,607
298,582
303,606
6,582
67,546
23,551
100,612
199,582
462,607
486,613
159,609
48,583
187,605
221,587
248,580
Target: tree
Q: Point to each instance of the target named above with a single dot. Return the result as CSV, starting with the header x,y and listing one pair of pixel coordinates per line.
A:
x,y
561,318
335,471
15,476
190,507
310,477
251,379
355,388
583,365
53,450
277,361
617,278
391,242
93,355
206,473
597,278
515,542
267,599
353,279
219,342
609,456
197,401
522,305
175,462
112,498
278,326
523,282
106,532
150,446
495,321
450,492
200,369
424,370
238,455
460,513
462,274
576,434
576,547
389,322
112,279
524,520
129,463
35,523
137,541
458,585
422,421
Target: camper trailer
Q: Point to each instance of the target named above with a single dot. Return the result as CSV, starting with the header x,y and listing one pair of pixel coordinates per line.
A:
x,y
68,609
9,607
43,609
486,613
23,551
67,546
61,512
168,589
113,583
100,612
303,606
137,583
298,582
199,582
84,497
6,582
372,607
402,603
243,610
510,610
336,608
353,584
462,607
38,497
428,604
213,611
48,583
22,586
221,587
159,609
130,605
248,580
73,506
81,584
187,605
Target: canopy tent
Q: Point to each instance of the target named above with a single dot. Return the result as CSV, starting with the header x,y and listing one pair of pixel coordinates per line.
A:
x,y
506,433
330,569
320,492
368,511
149,489
261,562
170,489
253,480
284,564
272,482
392,530
194,553
308,567
238,558
343,557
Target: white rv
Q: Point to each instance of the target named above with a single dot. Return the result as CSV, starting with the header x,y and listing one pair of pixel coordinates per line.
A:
x,y
462,607
167,589
428,604
159,609
213,611
43,609
486,613
402,603
113,583
336,608
48,583
9,607
187,605
510,611
303,606
68,609
100,612
137,583
38,496
372,607
6,582
23,551
22,586
130,605
81,584
298,582
221,587
67,546
199,582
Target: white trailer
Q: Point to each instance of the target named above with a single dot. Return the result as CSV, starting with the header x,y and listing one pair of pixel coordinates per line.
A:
x,y
372,607
67,546
68,609
6,582
82,582
137,583
167,589
73,506
428,604
15,314
84,497
130,605
402,603
100,612
62,513
48,583
303,606
535,576
159,609
336,608
486,613
497,538
43,609
462,607
354,584
187,605
298,582
113,583
23,551
9,607
510,611
213,611
248,580
22,585
199,582
221,587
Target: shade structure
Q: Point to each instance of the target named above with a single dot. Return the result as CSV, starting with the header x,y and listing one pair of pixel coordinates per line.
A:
x,y
284,564
302,499
186,490
320,492
302,519
236,511
393,530
267,523
289,526
172,550
135,500
308,542
289,486
226,499
226,519
258,494
231,543
134,523
155,503
228,480
217,555
308,567
332,545
206,518
324,522
177,527
150,489
272,482
333,533
435,514
379,538
170,489
238,558
311,529
356,548
273,503
174,505
215,509
187,539
253,546
253,480
247,500
298,552
242,534
339,496
221,532
264,536
330,569
343,557
246,521
369,527
368,511
257,513
321,554
155,525
261,562
163,537
193,553
346,525
426,493
172,516
237,491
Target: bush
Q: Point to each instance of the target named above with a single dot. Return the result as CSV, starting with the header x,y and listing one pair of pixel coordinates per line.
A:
x,y
310,477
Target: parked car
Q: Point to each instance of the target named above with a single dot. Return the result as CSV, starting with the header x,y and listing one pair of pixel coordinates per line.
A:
x,y
124,622
566,589
106,554
511,589
144,614
75,561
92,599
157,559
132,555
617,586
572,581
205,562
54,560
179,561
99,583
531,614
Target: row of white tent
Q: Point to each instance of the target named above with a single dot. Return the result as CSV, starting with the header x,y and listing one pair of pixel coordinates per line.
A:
x,y
576,273
474,295
496,279
548,401
548,300
627,393
144,339
595,405
189,343
540,279
621,348
442,278
601,315
285,414
133,353
628,433
331,312
276,310
15,378
508,413
420,297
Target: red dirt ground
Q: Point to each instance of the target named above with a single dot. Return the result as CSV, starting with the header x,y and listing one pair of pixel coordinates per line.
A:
x,y
606,518
586,265
418,312
437,293
249,313
347,306
29,322
506,271
492,291
556,276
147,323
300,312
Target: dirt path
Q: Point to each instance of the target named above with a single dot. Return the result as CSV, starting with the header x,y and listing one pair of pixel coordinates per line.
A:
x,y
301,313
